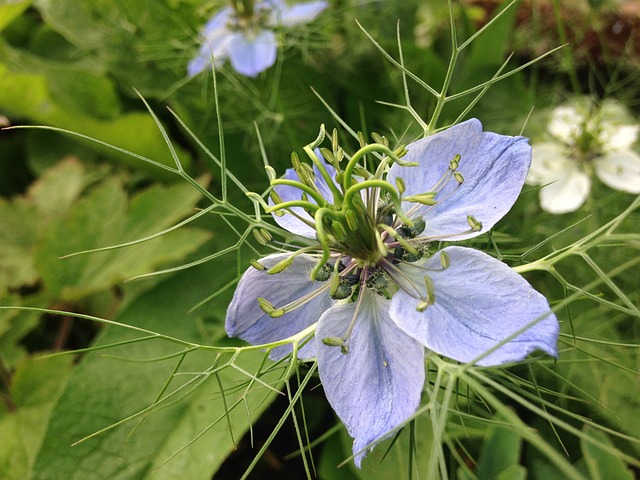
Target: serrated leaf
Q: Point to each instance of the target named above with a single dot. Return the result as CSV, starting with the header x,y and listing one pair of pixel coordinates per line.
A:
x,y
103,218
14,326
17,237
55,191
104,390
35,387
602,464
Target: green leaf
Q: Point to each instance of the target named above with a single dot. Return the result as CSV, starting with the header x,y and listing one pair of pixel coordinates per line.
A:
x,y
104,218
500,453
145,44
10,11
514,472
603,464
392,460
36,385
112,384
14,326
84,102
494,44
17,237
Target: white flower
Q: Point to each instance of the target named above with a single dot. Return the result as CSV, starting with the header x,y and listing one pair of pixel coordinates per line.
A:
x,y
584,139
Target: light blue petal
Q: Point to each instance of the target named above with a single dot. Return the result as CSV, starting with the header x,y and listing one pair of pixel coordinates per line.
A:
x,y
253,54
216,40
247,321
218,22
493,166
376,386
295,14
290,222
479,301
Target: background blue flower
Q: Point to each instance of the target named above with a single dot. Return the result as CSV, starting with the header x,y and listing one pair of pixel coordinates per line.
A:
x,y
249,43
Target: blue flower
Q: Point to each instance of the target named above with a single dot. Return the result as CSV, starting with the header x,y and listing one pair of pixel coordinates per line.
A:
x,y
248,40
376,288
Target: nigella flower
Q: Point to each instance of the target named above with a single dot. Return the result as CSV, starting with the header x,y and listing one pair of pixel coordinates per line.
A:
x,y
373,283
585,139
244,34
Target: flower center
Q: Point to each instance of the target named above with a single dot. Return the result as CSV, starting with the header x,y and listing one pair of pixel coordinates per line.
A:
x,y
363,234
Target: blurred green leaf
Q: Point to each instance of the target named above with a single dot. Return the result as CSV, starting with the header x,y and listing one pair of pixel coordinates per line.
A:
x,y
333,455
110,385
514,472
105,217
36,385
391,460
605,381
17,237
10,11
491,48
602,464
65,96
14,325
500,454
145,44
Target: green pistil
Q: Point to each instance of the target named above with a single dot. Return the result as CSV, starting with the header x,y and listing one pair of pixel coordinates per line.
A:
x,y
337,194
293,203
320,200
382,185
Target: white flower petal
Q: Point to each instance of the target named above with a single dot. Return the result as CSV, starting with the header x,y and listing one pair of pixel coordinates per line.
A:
x,y
619,170
548,163
618,137
567,193
565,123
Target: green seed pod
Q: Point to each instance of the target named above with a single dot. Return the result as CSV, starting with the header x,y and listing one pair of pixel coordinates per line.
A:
x,y
324,273
343,291
418,227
